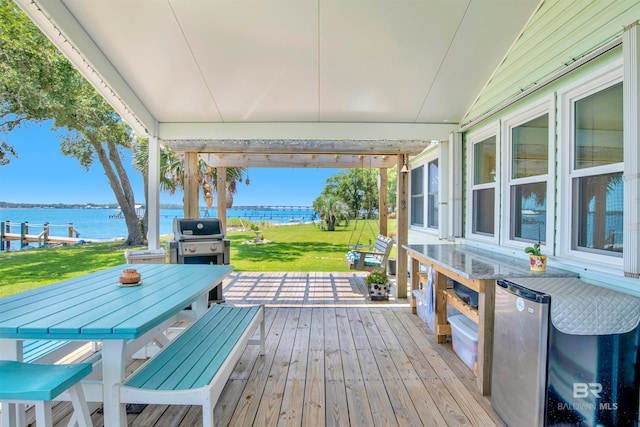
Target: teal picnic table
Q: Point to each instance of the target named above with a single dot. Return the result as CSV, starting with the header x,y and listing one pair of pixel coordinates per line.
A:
x,y
95,307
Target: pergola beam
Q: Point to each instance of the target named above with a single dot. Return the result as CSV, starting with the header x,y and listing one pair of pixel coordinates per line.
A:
x,y
298,160
299,146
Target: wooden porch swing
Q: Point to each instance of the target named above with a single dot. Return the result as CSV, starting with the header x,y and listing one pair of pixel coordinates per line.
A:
x,y
375,259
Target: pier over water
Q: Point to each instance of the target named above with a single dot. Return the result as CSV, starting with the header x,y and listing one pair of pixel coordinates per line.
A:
x,y
275,214
12,232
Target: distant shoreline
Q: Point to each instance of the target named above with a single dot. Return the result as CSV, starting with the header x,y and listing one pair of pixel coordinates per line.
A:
x,y
168,206
8,205
98,224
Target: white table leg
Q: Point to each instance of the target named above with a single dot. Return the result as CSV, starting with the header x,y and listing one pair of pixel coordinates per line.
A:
x,y
113,361
11,349
200,305
9,415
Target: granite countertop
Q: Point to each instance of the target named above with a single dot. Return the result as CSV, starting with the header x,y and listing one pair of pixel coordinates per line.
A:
x,y
474,263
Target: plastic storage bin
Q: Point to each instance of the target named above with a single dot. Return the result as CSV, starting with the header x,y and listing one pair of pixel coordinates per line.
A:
x,y
149,256
425,308
422,309
464,338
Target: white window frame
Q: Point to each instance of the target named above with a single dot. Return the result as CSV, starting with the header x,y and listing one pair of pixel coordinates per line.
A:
x,y
423,195
589,85
427,204
416,163
491,130
541,107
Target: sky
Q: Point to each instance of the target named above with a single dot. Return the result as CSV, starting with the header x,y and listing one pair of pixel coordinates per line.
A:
x,y
41,174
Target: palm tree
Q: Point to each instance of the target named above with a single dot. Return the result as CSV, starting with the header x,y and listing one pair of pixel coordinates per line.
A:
x,y
172,171
331,210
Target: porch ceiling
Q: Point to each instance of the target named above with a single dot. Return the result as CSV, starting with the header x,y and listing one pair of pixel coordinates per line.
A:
x,y
189,70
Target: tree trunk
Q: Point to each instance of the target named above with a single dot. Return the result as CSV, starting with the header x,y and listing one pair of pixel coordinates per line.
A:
x,y
121,187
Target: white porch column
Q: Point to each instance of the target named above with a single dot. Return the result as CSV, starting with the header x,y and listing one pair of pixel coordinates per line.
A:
x,y
455,186
631,97
443,189
153,194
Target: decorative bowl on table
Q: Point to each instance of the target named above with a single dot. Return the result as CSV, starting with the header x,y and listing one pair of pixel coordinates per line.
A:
x,y
130,276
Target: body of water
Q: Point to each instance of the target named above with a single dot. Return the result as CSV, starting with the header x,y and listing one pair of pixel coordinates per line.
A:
x,y
97,224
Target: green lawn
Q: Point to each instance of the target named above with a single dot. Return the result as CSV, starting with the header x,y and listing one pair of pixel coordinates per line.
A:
x,y
298,247
23,270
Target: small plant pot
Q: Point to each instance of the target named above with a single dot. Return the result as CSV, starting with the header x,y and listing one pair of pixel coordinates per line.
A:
x,y
391,266
379,291
129,276
538,263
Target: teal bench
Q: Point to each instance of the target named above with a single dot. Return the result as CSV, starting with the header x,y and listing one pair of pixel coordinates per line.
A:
x,y
27,382
371,260
194,367
43,351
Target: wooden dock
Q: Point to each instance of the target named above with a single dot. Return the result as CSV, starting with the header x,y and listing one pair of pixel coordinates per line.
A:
x,y
8,235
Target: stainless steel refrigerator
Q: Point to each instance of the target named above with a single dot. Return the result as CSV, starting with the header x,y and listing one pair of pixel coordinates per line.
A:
x,y
565,353
520,355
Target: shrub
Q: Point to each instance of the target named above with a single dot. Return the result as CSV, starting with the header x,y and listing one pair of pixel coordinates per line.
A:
x,y
376,277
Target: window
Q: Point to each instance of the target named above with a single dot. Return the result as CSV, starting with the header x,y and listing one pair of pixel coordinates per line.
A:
x,y
598,129
484,187
432,195
528,180
483,214
599,204
596,176
417,196
529,212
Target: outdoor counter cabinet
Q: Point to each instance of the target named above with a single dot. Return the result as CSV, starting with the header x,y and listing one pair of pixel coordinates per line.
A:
x,y
477,270
94,307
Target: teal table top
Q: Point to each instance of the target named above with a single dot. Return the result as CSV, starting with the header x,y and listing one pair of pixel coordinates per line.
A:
x,y
96,307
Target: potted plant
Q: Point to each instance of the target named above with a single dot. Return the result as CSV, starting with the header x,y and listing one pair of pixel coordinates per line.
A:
x,y
378,285
537,261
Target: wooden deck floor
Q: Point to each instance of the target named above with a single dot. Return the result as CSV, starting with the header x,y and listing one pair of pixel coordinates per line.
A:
x,y
333,358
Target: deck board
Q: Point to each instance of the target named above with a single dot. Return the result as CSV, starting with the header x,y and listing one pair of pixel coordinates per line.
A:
x,y
333,357
293,395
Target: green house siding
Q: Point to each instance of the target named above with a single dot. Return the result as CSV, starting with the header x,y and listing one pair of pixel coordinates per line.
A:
x,y
559,33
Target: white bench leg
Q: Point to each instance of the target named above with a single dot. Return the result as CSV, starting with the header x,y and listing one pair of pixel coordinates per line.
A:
x,y
43,413
13,414
81,415
262,338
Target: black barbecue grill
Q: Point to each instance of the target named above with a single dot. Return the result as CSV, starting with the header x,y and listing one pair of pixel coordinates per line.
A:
x,y
199,241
